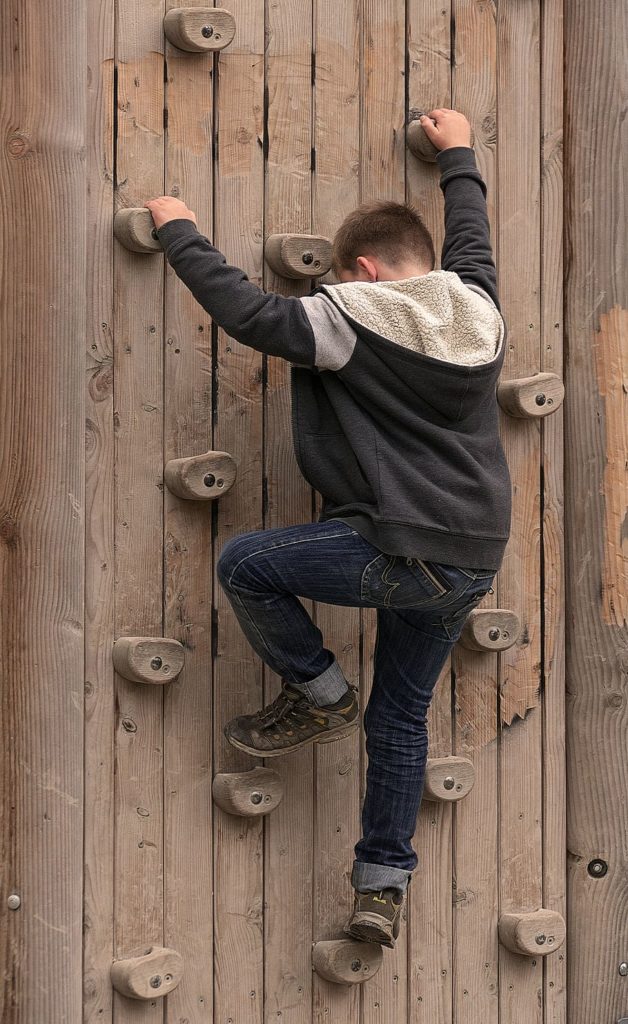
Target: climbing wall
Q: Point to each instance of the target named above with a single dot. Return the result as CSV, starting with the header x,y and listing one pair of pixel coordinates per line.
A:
x,y
145,876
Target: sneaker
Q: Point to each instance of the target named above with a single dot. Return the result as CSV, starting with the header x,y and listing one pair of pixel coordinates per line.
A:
x,y
376,916
291,721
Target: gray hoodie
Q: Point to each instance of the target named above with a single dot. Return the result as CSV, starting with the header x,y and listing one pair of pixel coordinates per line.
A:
x,y
394,411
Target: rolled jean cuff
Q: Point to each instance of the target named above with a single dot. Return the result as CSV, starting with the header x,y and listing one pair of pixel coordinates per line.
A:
x,y
375,877
326,688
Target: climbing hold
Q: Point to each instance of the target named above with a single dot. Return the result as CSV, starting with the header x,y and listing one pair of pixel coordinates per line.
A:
x,y
201,477
417,140
535,396
151,974
297,256
199,29
346,961
250,794
448,778
532,934
135,230
148,659
490,629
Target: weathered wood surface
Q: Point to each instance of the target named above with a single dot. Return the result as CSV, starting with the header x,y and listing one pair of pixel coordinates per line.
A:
x,y
238,181
596,497
300,117
42,495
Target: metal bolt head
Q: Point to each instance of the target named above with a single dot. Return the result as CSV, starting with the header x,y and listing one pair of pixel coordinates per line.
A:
x,y
493,634
623,969
209,480
540,939
540,399
14,901
597,867
207,31
449,782
156,663
256,797
308,257
356,965
154,234
155,981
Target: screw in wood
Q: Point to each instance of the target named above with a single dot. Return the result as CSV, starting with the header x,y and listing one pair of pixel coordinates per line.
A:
x,y
156,663
14,901
356,965
493,634
540,399
154,234
623,968
256,798
220,483
209,480
207,31
155,981
539,939
449,782
308,257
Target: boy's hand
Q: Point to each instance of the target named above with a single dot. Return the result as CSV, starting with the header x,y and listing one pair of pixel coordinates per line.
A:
x,y
451,128
167,208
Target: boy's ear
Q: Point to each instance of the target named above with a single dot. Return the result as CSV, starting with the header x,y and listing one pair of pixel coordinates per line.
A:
x,y
368,268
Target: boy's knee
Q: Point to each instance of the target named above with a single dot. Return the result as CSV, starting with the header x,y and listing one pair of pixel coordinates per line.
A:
x,y
232,556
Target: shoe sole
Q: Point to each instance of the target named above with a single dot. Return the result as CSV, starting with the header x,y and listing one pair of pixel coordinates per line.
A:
x,y
368,928
327,737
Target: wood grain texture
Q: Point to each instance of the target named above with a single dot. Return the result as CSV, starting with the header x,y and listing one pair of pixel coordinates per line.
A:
x,y
42,417
289,833
519,712
475,881
430,937
139,538
237,677
98,938
187,596
595,523
335,192
554,895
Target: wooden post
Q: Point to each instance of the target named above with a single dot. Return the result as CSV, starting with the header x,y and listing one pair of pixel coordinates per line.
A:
x,y
596,497
42,507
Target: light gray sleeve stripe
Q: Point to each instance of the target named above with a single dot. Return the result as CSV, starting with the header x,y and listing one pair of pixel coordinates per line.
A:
x,y
334,338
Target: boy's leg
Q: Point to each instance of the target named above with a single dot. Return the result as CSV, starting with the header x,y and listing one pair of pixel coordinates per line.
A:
x,y
407,666
263,575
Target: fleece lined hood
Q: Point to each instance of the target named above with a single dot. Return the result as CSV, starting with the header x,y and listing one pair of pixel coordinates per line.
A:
x,y
436,314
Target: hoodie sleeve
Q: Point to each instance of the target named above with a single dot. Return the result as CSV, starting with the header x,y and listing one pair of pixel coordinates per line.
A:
x,y
467,245
270,323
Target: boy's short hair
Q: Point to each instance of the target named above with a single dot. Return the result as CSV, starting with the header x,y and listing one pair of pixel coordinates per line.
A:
x,y
393,231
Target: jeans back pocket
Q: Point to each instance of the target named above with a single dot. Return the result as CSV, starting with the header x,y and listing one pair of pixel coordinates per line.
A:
x,y
394,581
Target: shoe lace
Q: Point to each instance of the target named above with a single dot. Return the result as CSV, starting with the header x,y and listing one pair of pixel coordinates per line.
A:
x,y
282,706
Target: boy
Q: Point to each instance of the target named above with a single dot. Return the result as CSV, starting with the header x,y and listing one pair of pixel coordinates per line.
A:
x,y
395,422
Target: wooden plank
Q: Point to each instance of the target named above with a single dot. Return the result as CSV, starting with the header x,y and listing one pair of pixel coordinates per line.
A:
x,y
382,176
42,318
520,740
188,869
99,527
430,914
138,407
287,882
335,192
238,183
595,502
554,775
475,883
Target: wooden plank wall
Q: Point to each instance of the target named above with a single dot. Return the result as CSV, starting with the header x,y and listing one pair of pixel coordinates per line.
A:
x,y
106,784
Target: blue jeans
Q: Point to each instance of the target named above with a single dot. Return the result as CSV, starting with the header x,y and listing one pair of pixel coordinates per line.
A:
x,y
421,609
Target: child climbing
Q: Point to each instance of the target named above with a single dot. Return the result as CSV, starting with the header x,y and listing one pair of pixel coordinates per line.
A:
x,y
395,423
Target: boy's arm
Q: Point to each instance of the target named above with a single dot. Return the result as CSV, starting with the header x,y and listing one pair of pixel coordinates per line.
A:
x,y
467,245
275,324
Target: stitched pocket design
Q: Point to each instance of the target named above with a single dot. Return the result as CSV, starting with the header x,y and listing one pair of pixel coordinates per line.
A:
x,y
393,581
